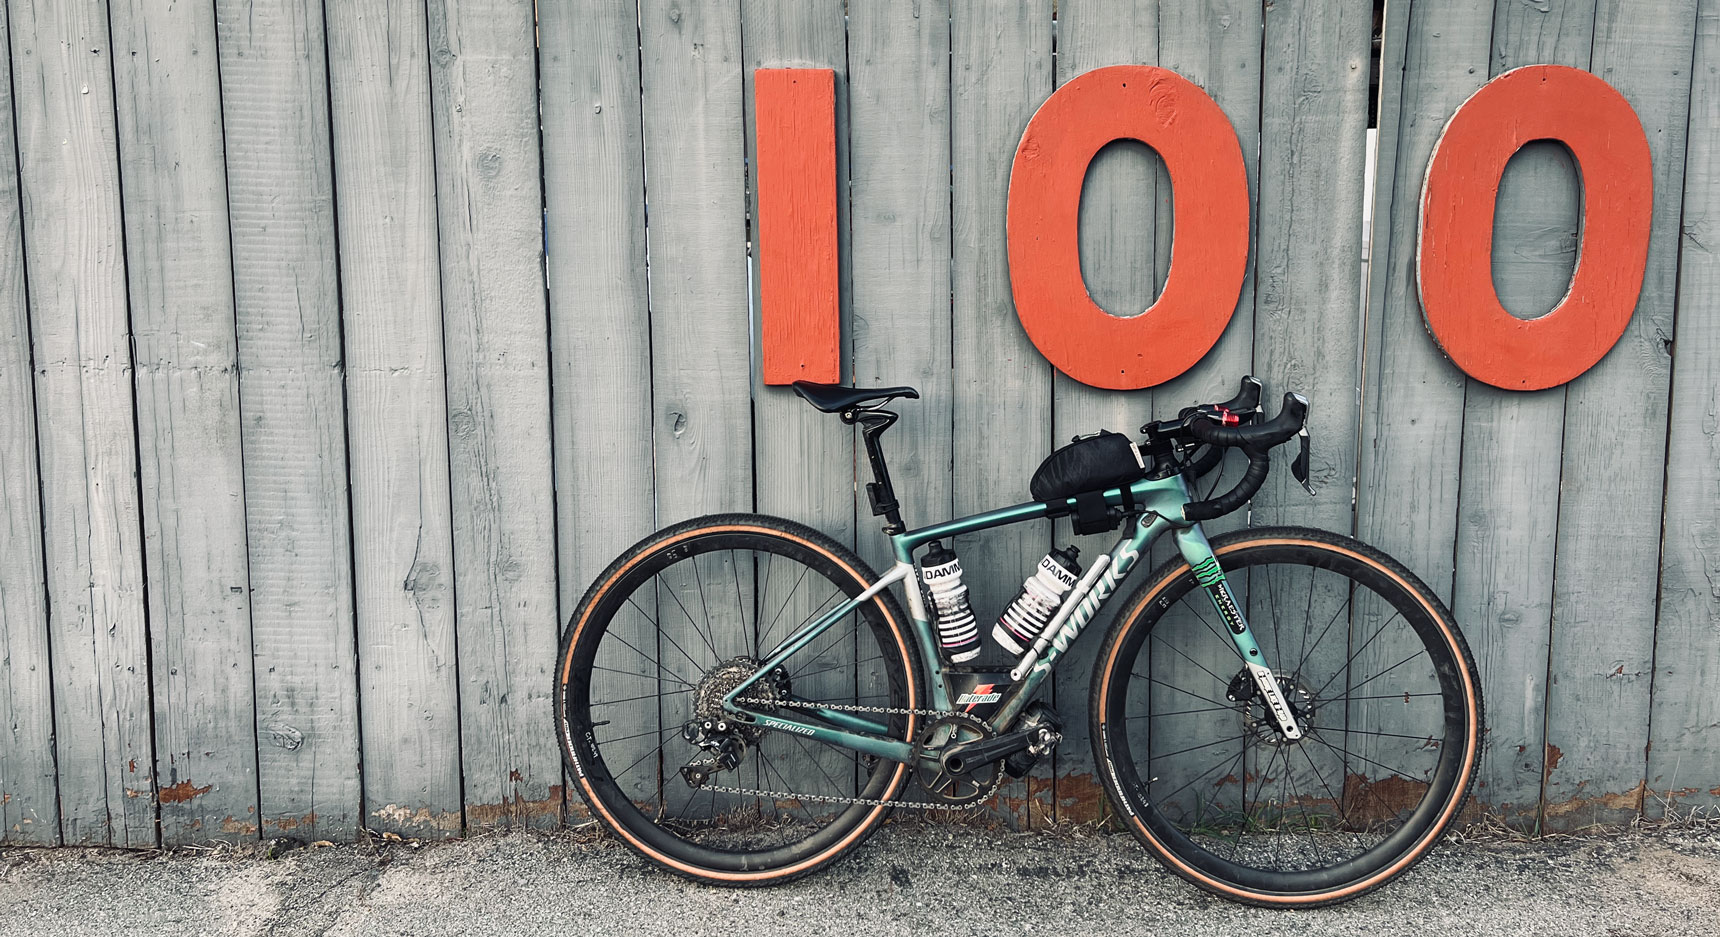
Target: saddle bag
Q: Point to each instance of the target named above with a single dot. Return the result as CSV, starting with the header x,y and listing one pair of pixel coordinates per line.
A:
x,y
1085,468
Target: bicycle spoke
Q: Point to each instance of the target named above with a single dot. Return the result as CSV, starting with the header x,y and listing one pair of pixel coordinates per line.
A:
x,y
1352,659
1303,662
1216,677
1179,689
1226,642
1386,671
771,628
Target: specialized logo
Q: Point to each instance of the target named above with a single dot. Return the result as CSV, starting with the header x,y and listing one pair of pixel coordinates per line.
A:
x,y
1084,612
980,694
786,727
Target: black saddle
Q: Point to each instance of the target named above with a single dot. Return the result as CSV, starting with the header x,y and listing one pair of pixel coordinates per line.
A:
x,y
832,398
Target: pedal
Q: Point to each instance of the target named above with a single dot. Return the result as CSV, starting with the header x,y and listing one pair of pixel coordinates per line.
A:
x,y
1046,729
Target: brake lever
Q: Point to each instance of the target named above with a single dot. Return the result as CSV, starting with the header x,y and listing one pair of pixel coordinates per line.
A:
x,y
1299,468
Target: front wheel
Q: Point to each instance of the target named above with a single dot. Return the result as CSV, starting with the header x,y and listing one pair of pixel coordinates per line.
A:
x,y
1379,677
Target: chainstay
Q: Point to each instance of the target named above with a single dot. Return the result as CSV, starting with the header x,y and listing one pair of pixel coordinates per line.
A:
x,y
996,783
847,707
867,801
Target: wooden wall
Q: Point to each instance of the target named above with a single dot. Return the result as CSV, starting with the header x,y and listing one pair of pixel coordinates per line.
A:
x,y
338,354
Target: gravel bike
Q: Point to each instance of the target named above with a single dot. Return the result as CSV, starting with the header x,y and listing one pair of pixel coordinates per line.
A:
x,y
1283,716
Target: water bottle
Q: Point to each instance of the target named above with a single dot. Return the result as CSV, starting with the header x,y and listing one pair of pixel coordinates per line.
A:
x,y
1038,601
958,631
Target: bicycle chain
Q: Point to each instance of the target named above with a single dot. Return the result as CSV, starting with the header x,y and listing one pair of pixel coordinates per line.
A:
x,y
997,782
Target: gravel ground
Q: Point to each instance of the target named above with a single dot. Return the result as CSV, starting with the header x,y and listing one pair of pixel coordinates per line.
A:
x,y
912,878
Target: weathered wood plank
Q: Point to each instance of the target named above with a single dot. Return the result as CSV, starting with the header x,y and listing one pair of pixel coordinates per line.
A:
x,y
29,797
899,237
180,265
694,133
1508,500
1313,140
599,322
899,232
1412,423
484,95
1684,754
1307,334
1412,419
1614,454
280,192
1001,69
693,130
73,243
1123,266
804,463
1217,47
397,416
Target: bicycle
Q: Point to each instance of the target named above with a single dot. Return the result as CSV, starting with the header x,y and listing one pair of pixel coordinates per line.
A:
x,y
753,732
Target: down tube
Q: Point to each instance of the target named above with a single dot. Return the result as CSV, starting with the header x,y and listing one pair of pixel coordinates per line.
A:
x,y
1122,559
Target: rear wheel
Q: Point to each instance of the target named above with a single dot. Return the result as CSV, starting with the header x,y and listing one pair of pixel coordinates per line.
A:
x,y
1381,681
673,625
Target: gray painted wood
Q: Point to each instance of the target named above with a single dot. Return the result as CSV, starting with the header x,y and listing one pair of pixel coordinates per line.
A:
x,y
167,87
280,193
1508,502
484,91
899,236
599,320
1412,419
694,161
1412,422
1313,124
1614,451
74,244
397,417
804,462
1684,757
899,244
1124,270
29,798
1001,69
694,129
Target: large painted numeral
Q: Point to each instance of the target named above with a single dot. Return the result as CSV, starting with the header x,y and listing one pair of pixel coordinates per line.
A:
x,y
1539,102
800,331
1209,253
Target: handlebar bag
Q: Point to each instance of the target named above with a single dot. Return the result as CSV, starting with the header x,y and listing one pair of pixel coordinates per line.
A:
x,y
1090,463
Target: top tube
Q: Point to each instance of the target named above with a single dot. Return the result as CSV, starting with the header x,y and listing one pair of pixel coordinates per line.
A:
x,y
1162,496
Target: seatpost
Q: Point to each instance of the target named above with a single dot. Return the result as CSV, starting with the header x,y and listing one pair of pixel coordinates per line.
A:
x,y
879,492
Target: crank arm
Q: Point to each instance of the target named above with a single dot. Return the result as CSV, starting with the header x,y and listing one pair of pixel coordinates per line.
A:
x,y
967,756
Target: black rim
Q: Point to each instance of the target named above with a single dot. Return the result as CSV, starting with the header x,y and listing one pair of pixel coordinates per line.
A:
x,y
1214,782
661,630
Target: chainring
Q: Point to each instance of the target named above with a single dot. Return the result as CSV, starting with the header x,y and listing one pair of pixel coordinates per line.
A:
x,y
956,790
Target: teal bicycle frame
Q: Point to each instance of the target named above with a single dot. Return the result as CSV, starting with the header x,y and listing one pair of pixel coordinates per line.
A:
x,y
1160,500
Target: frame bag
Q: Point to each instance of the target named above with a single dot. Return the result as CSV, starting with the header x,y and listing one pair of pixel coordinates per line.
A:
x,y
1083,470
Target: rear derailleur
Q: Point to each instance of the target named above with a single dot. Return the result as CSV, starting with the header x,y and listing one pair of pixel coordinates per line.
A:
x,y
723,746
723,738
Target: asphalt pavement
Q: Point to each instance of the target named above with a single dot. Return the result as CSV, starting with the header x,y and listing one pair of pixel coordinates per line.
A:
x,y
912,878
